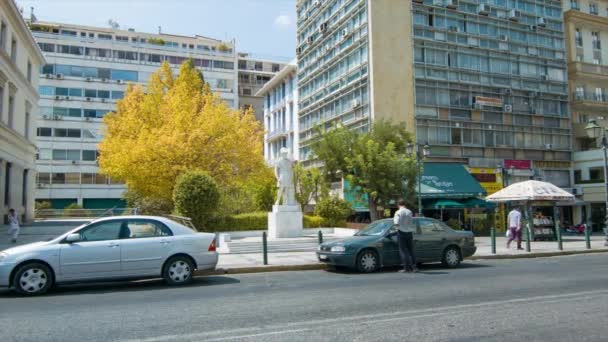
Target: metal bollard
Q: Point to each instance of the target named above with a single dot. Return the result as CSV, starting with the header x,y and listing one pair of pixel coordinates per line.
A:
x,y
587,236
265,248
320,237
528,249
493,238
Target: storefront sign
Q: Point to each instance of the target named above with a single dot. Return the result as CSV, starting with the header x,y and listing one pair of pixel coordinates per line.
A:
x,y
488,101
517,164
551,164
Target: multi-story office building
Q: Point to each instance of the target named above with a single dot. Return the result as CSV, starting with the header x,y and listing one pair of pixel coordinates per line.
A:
x,y
280,96
20,60
254,72
480,81
87,71
586,31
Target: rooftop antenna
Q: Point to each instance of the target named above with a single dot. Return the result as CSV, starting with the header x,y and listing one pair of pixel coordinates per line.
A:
x,y
159,30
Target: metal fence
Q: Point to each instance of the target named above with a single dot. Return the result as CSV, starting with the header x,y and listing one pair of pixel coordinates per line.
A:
x,y
54,214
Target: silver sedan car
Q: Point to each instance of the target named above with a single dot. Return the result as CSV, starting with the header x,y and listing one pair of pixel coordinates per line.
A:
x,y
123,247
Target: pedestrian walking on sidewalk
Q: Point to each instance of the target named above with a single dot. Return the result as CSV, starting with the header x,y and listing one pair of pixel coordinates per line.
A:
x,y
13,225
514,224
405,237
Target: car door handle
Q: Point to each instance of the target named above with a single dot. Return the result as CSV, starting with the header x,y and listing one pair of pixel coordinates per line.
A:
x,y
165,242
113,244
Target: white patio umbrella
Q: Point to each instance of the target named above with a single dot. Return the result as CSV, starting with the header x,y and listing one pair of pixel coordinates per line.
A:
x,y
531,191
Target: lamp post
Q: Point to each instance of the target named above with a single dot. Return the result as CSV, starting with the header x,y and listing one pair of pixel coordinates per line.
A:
x,y
420,155
595,131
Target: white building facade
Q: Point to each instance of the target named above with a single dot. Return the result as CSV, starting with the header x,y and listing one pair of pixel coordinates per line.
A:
x,y
87,71
20,59
280,96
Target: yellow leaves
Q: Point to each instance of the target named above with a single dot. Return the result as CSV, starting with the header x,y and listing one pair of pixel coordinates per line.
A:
x,y
177,124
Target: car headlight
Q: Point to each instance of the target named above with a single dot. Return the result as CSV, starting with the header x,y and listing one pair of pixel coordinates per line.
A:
x,y
338,249
3,256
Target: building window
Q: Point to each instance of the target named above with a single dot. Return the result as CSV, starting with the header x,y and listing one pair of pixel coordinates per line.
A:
x,y
3,35
47,47
247,91
104,36
29,71
89,155
44,131
43,178
580,93
14,50
28,109
593,8
1,102
574,4
24,188
595,38
578,37
7,184
259,66
599,94
578,177
596,174
11,111
276,67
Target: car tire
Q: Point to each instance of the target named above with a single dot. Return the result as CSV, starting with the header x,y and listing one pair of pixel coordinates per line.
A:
x,y
368,261
451,257
178,270
33,279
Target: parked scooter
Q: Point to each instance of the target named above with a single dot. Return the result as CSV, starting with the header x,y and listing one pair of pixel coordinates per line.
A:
x,y
578,229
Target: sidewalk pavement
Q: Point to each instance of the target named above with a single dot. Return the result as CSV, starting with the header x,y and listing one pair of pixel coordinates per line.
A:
x,y
300,253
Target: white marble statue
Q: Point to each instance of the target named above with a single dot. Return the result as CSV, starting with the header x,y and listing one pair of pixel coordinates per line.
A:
x,y
284,172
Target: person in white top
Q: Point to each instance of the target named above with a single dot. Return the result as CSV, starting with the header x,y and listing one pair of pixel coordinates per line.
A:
x,y
13,222
405,237
514,224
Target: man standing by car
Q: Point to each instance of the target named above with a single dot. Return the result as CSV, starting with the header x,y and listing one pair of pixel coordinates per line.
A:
x,y
405,237
514,221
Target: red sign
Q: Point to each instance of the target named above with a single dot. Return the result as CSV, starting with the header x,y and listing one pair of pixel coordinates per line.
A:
x,y
518,164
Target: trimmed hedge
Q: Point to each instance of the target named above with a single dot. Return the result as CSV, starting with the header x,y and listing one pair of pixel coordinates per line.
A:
x,y
258,221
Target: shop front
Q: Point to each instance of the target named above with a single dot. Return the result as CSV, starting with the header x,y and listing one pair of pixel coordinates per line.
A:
x,y
492,181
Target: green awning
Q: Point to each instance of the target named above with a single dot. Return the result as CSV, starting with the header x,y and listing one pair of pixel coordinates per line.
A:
x,y
449,180
445,204
478,203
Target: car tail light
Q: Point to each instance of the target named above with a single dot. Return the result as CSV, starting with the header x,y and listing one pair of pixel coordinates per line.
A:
x,y
212,246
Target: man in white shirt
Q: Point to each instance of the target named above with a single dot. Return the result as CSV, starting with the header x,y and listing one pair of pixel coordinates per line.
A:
x,y
405,237
514,224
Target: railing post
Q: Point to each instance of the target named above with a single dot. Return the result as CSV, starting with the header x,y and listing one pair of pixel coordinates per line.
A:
x,y
493,238
265,248
529,225
320,237
558,231
587,236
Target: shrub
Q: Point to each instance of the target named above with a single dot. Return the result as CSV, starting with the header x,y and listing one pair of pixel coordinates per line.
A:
x,y
196,195
43,205
335,211
157,41
240,222
147,205
75,210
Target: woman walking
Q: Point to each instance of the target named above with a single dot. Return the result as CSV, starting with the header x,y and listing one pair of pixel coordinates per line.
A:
x,y
13,222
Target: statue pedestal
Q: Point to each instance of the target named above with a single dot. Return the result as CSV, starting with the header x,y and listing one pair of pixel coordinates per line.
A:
x,y
285,221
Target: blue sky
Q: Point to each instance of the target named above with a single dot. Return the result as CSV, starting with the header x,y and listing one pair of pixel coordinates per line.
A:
x,y
265,27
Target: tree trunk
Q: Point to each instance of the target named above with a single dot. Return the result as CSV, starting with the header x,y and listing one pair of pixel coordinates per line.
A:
x,y
373,208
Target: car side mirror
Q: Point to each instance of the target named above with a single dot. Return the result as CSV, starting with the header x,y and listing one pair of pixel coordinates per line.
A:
x,y
73,238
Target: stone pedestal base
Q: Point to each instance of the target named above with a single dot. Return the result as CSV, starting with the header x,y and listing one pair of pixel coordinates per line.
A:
x,y
285,221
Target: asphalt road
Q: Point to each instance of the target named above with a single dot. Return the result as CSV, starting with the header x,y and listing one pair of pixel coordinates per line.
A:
x,y
550,299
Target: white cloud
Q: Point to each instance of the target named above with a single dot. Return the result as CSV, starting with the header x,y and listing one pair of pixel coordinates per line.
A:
x,y
282,21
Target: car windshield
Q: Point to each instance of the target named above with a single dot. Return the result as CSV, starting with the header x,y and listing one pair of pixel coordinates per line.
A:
x,y
376,228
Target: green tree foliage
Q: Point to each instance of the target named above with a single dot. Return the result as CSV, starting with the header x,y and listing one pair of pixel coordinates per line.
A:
x,y
147,205
335,210
375,162
310,185
196,196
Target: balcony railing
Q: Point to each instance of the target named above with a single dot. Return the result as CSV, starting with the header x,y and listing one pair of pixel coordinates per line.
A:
x,y
277,133
588,68
592,97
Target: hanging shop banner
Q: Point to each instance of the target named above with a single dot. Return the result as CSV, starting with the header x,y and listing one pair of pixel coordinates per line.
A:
x,y
517,164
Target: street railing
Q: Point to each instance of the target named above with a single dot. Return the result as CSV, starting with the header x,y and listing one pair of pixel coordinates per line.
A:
x,y
54,214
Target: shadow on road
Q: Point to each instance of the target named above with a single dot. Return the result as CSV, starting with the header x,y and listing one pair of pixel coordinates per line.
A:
x,y
428,269
128,286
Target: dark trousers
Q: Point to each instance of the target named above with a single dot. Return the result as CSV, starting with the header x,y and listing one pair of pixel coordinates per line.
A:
x,y
406,249
515,235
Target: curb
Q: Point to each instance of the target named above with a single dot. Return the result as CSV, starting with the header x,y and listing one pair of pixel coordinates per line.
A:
x,y
312,267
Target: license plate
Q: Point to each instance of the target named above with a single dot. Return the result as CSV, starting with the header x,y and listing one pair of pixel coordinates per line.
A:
x,y
323,257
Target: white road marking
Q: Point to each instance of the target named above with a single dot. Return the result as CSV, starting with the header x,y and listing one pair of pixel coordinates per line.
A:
x,y
379,317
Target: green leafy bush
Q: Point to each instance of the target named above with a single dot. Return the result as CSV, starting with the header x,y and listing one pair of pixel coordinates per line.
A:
x,y
196,196
334,210
75,210
259,221
147,205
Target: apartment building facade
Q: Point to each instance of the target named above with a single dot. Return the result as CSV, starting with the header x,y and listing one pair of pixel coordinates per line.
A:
x,y
254,72
87,72
280,96
586,31
482,82
20,59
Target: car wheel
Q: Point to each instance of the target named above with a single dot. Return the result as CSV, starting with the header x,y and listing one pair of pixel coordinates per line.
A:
x,y
451,257
33,279
368,261
178,270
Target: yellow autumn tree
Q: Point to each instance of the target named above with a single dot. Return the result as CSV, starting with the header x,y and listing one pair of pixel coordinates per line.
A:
x,y
177,124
